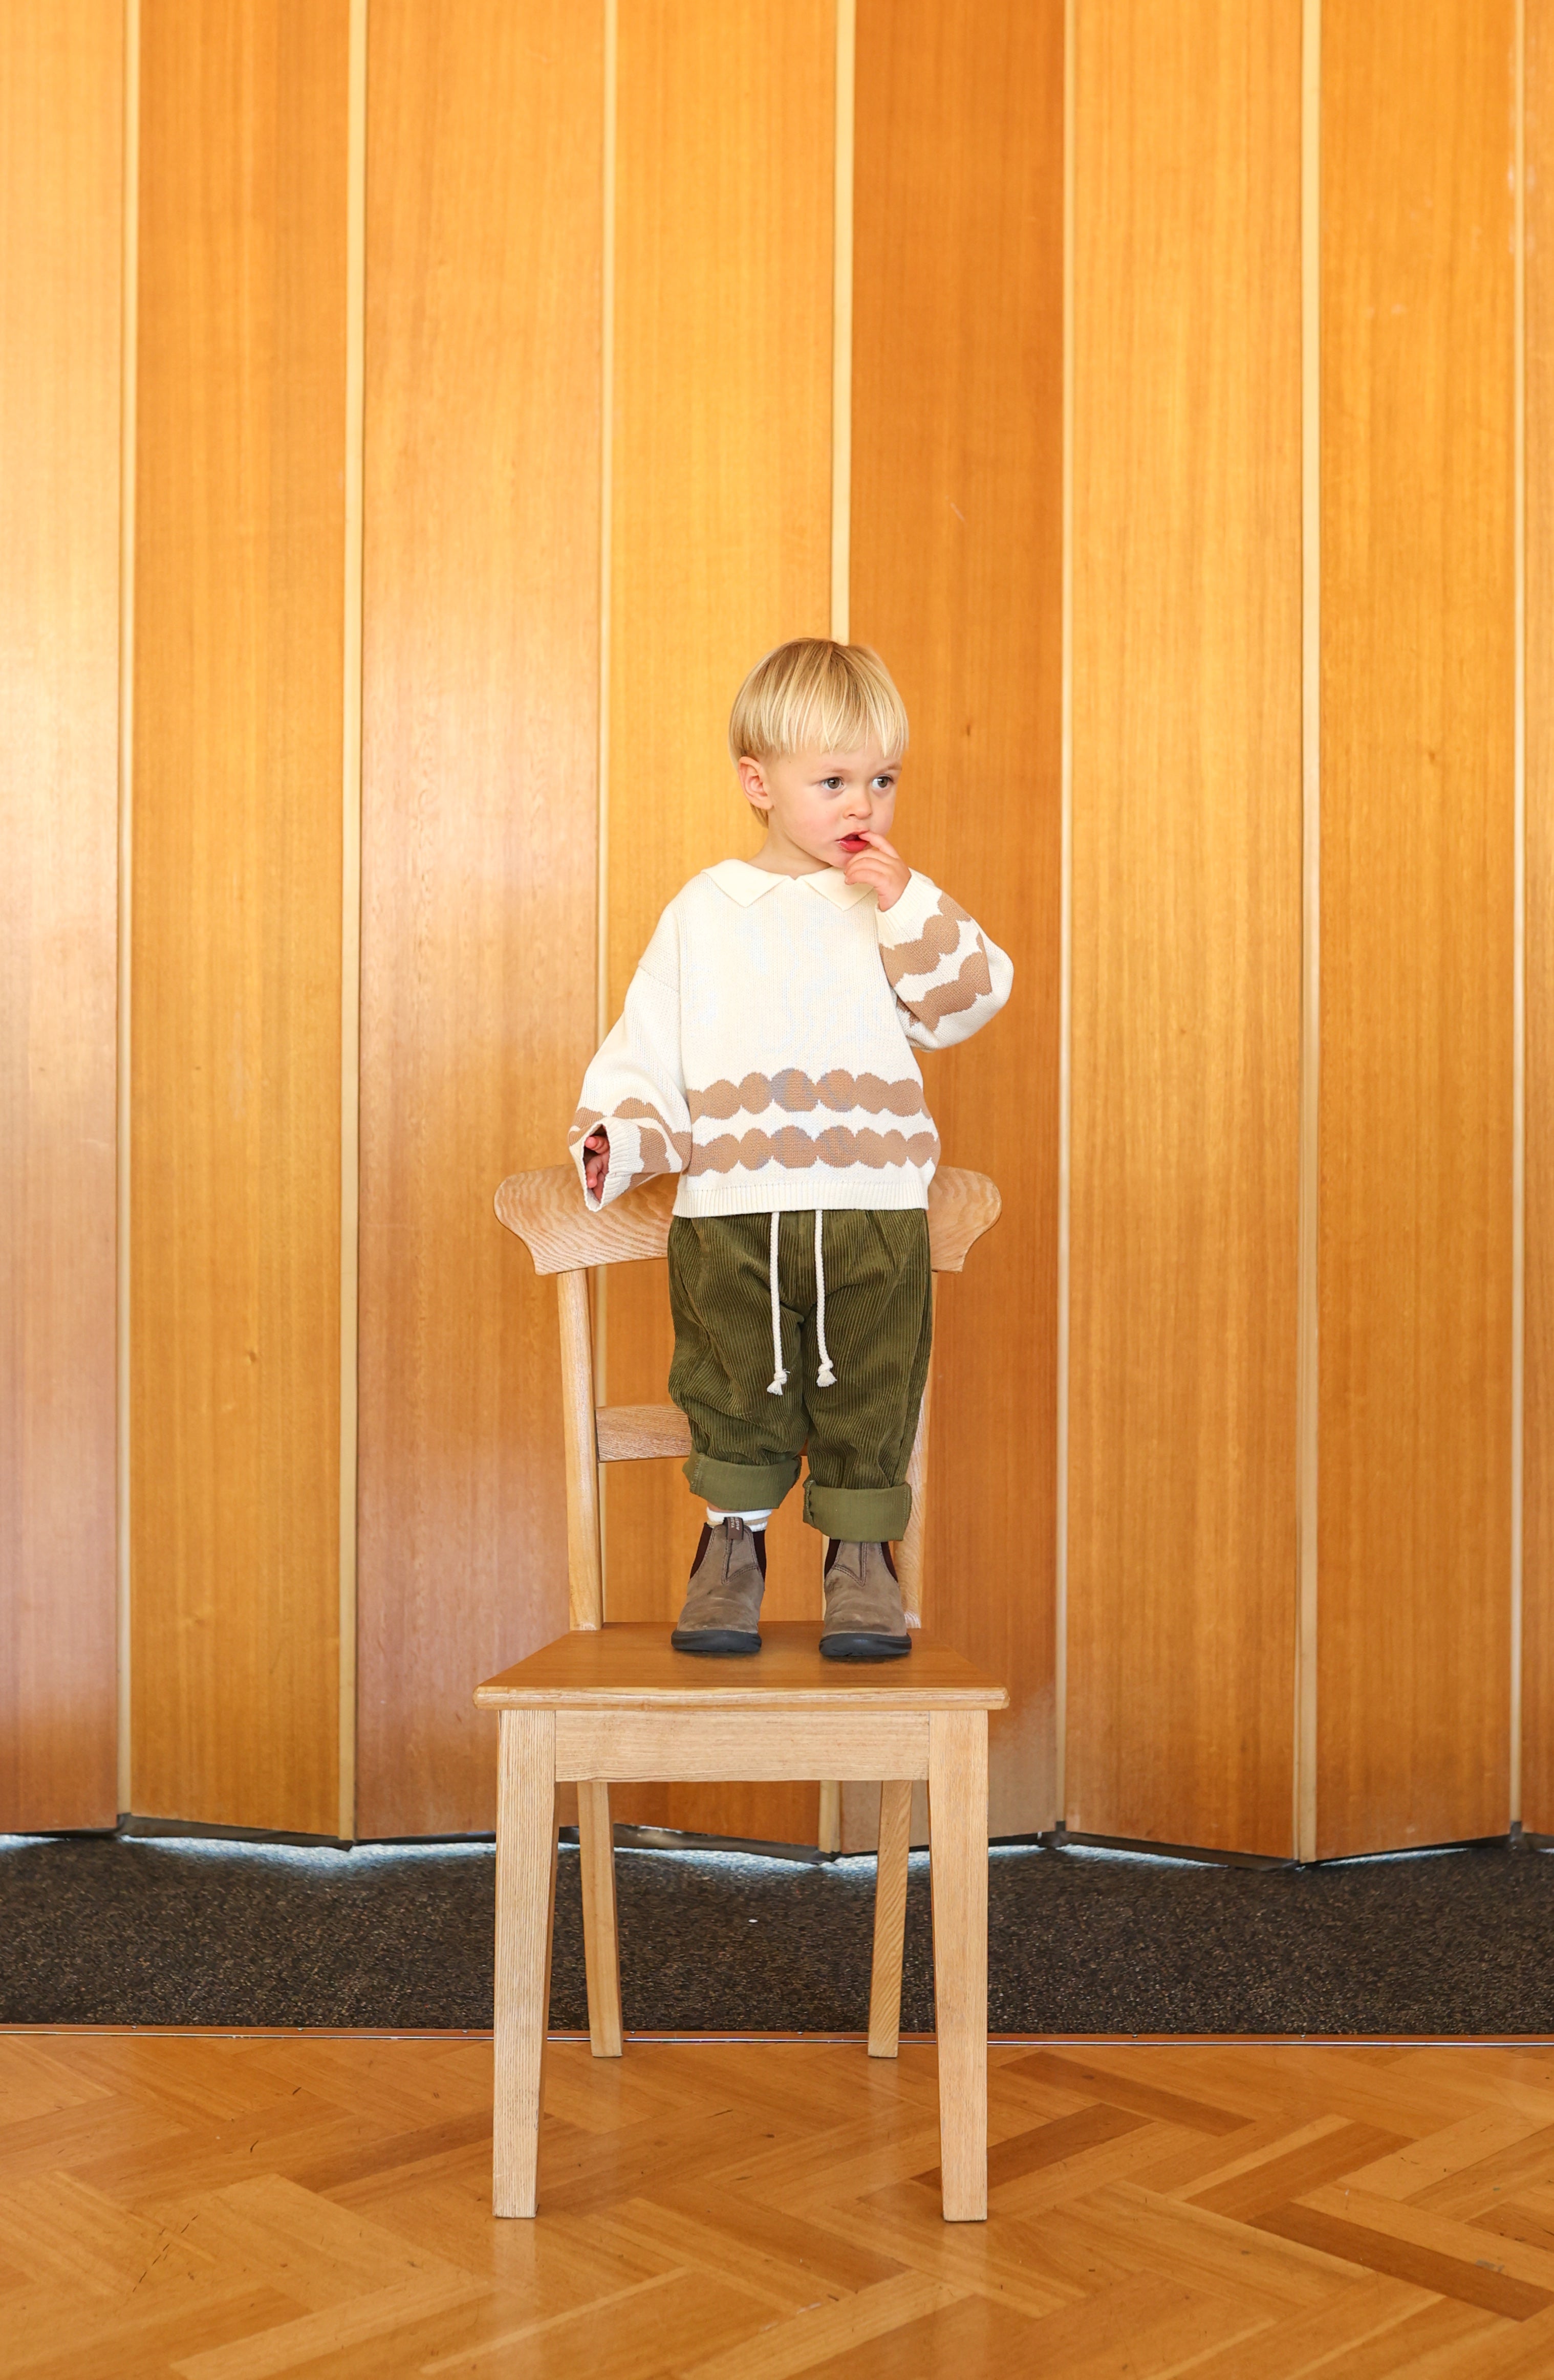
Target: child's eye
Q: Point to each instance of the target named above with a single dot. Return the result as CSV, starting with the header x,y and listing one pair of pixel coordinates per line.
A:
x,y
883,785
831,785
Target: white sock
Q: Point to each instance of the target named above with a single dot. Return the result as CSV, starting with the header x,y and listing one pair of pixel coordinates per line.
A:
x,y
751,1520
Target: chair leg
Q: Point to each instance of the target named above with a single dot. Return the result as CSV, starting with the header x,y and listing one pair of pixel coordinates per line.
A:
x,y
596,1844
890,1917
525,1893
958,1865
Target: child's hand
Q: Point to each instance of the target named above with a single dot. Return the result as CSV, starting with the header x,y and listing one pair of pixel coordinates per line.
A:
x,y
596,1160
882,865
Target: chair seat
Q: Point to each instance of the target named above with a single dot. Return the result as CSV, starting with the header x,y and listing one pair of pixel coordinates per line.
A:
x,y
631,1665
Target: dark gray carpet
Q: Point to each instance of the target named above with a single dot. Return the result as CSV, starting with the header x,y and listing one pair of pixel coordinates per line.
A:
x,y
95,1930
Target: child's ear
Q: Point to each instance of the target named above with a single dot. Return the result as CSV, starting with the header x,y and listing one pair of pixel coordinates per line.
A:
x,y
753,784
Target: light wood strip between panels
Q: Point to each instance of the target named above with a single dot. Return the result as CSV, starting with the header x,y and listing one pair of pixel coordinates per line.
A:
x,y
1066,992
350,895
685,1747
129,289
1303,1767
842,326
1537,1698
1519,915
606,520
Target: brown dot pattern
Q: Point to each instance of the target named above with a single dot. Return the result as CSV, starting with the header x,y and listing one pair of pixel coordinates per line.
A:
x,y
941,933
839,1145
799,1094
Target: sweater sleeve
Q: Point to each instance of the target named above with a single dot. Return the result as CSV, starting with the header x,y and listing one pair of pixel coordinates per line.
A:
x,y
948,976
634,1087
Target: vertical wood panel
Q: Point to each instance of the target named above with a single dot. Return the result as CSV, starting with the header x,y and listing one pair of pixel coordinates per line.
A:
x,y
480,744
61,139
1538,1664
957,530
1186,921
721,549
1417,791
235,1157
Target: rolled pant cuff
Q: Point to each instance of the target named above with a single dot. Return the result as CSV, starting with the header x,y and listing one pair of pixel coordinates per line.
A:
x,y
740,1487
862,1515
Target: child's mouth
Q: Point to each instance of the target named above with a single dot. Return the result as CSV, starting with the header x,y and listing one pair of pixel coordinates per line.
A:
x,y
854,842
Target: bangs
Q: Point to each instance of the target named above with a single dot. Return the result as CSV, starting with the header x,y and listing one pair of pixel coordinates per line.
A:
x,y
815,695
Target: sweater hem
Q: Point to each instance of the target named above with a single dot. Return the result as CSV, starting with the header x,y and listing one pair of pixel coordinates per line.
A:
x,y
790,1193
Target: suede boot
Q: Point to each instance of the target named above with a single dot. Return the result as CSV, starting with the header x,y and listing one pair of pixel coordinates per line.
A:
x,y
864,1617
722,1602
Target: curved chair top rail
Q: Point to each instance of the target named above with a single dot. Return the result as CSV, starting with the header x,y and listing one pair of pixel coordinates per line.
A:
x,y
546,1211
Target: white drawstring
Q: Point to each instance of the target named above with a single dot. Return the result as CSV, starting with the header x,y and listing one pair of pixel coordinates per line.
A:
x,y
779,1380
825,1376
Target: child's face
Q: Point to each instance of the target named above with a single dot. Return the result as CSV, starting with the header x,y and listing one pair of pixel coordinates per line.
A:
x,y
818,804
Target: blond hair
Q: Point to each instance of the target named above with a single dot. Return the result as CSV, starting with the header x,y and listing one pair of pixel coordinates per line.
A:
x,y
813,694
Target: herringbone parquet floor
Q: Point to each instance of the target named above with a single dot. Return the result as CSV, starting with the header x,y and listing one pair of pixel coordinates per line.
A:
x,y
226,2208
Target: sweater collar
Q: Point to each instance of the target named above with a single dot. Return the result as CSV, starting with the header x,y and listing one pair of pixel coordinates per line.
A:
x,y
746,884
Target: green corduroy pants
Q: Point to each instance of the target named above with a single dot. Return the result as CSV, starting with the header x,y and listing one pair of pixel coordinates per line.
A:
x,y
879,1326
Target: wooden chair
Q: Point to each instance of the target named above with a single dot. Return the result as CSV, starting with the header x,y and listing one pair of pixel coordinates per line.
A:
x,y
607,1703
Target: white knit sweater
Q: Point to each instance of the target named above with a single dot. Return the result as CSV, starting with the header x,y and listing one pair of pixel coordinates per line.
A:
x,y
765,1051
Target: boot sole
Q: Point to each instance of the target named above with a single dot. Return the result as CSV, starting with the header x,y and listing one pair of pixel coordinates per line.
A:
x,y
726,1641
864,1648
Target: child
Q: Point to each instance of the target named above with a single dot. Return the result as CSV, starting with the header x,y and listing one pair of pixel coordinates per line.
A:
x,y
765,1056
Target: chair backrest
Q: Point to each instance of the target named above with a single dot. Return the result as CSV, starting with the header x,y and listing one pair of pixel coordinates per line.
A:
x,y
545,1211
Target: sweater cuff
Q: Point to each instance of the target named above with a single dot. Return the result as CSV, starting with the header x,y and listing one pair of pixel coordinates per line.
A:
x,y
905,920
625,1159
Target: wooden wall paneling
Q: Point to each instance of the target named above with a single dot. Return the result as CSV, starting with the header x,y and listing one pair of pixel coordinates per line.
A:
x,y
956,545
1537,1661
721,470
235,1149
61,143
1186,909
479,742
1417,852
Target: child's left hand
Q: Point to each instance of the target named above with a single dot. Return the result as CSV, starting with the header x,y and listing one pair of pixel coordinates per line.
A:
x,y
882,865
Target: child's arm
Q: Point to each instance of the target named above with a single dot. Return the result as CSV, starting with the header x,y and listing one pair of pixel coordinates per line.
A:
x,y
948,976
632,1092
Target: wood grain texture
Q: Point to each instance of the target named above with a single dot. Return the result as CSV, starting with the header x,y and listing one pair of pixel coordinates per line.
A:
x,y
719,549
681,1745
956,549
1417,812
61,143
479,742
891,1876
226,2208
958,1867
1186,922
545,1208
631,1665
641,1433
602,1963
1537,1661
234,1146
525,1893
585,1590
